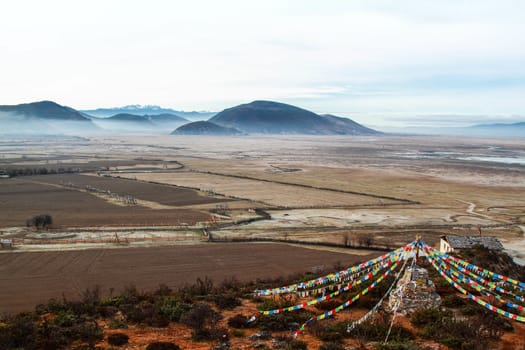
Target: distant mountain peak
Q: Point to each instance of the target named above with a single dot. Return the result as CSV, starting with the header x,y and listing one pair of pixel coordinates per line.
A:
x,y
43,103
139,106
147,110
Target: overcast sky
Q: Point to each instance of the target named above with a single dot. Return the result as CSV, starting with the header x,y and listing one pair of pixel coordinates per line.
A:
x,y
386,63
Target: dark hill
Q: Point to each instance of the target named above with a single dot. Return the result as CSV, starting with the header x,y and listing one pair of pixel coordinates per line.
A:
x,y
43,118
205,128
43,110
350,126
127,117
267,117
128,122
167,118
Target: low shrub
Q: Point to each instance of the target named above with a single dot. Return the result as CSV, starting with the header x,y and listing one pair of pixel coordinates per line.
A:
x,y
296,345
117,324
201,287
423,317
238,321
18,332
366,301
226,301
145,313
397,346
470,310
328,332
268,304
452,301
332,346
231,284
238,333
157,320
160,345
108,311
201,316
376,330
87,331
163,290
474,333
207,334
282,322
118,339
328,305
172,308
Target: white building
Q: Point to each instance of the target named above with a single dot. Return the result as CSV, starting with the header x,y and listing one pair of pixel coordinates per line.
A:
x,y
449,244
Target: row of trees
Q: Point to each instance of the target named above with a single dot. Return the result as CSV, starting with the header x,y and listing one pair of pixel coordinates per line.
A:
x,y
12,172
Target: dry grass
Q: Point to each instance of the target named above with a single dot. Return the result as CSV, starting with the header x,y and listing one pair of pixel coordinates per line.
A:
x,y
455,195
272,194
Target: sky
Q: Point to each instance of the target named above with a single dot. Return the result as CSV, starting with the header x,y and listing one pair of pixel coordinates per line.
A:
x,y
383,63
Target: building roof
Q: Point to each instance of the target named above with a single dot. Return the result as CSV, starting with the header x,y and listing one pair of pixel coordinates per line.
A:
x,y
465,242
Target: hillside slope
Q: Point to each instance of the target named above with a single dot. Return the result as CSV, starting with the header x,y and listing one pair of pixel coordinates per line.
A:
x,y
205,128
268,117
43,118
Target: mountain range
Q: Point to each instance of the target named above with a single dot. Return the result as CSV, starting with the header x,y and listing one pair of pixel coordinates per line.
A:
x,y
126,122
258,117
499,130
148,110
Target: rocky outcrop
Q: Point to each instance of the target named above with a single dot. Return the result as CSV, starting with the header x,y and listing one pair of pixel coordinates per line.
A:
x,y
414,291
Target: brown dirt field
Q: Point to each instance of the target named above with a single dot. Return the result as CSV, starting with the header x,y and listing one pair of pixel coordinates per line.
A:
x,y
31,278
20,199
273,194
393,179
168,195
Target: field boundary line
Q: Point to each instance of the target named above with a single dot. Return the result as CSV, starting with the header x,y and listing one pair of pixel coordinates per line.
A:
x,y
406,201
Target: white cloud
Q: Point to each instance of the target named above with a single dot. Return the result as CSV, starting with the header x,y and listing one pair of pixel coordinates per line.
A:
x,y
366,57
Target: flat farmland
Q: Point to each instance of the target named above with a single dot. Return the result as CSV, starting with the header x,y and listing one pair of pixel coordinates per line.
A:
x,y
315,188
268,193
419,182
22,198
163,194
31,278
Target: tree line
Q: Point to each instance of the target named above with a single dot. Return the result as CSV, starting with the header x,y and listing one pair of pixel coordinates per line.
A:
x,y
12,172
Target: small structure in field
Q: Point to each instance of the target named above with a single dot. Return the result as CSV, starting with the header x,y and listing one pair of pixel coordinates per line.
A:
x,y
451,243
6,243
413,291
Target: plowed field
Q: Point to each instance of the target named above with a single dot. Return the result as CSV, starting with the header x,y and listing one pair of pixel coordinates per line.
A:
x,y
31,278
21,198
